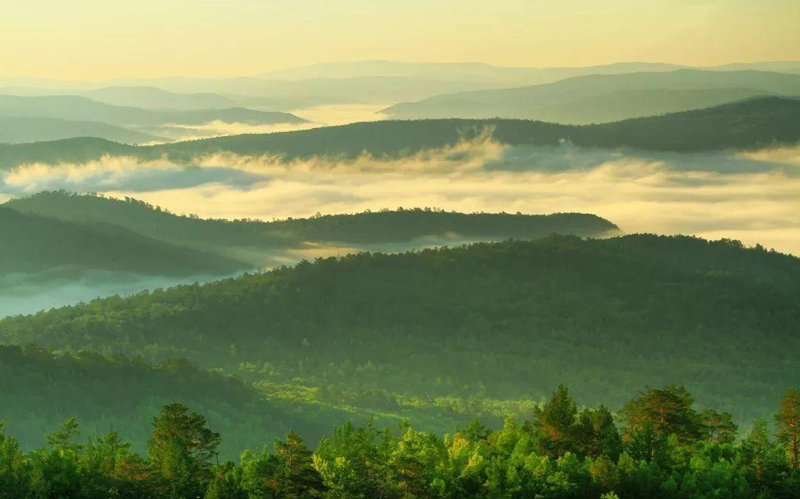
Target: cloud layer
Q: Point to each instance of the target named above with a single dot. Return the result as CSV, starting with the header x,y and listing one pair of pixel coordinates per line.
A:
x,y
754,197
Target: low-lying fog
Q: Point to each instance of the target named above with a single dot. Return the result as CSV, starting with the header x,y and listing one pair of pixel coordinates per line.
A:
x,y
751,196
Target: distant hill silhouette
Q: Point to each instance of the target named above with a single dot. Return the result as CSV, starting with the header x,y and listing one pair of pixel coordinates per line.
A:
x,y
15,130
72,107
603,98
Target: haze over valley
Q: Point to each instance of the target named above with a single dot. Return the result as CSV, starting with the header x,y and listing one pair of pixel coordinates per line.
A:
x,y
400,250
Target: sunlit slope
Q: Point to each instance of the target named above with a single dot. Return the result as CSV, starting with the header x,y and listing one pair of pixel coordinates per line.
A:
x,y
741,125
496,321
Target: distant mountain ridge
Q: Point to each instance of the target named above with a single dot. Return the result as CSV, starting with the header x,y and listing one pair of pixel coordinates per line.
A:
x,y
602,98
748,124
39,244
258,240
18,130
85,109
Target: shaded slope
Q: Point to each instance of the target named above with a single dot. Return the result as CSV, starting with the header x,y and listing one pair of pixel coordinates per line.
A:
x,y
33,243
363,228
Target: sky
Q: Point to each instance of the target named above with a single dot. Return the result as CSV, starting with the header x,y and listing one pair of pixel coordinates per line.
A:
x,y
100,39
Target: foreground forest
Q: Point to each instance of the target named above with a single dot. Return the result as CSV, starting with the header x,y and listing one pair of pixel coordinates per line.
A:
x,y
658,447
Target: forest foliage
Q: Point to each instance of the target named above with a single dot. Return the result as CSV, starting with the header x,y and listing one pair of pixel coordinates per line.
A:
x,y
480,330
658,446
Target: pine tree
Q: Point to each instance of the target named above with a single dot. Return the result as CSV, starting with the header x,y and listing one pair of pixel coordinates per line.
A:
x,y
555,424
787,421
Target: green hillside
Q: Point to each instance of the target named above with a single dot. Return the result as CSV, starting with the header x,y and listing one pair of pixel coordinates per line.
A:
x,y
740,125
253,238
34,243
477,330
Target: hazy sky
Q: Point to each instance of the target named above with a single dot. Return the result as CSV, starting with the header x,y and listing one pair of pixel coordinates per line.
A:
x,y
93,39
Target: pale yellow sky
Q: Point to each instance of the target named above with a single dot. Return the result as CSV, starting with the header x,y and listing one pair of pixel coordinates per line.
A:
x,y
96,39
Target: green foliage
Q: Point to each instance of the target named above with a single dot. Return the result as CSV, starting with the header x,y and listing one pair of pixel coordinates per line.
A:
x,y
258,242
481,330
180,449
662,412
43,243
367,462
787,421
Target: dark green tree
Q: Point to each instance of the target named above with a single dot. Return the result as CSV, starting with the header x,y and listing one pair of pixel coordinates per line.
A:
x,y
787,421
718,427
180,450
555,424
667,410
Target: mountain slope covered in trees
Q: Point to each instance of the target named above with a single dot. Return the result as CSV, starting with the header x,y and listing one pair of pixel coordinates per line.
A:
x,y
477,330
34,244
748,124
406,228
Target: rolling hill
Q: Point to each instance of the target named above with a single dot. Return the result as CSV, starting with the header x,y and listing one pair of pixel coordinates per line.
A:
x,y
478,329
156,98
77,108
36,244
16,130
747,124
266,243
120,394
603,98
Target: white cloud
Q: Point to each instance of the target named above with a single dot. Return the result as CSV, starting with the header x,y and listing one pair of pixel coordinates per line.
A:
x,y
754,197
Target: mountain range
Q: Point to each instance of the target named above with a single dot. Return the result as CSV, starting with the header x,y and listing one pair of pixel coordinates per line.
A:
x,y
603,98
748,124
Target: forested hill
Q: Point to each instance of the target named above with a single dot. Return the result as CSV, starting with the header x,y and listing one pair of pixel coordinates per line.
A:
x,y
486,322
398,226
740,125
34,243
122,394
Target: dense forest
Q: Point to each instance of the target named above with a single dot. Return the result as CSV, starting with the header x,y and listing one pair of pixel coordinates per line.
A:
x,y
658,446
38,243
759,122
255,240
483,330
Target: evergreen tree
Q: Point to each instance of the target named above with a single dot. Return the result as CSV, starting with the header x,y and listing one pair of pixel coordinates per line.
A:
x,y
555,424
718,427
787,421
667,410
180,449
